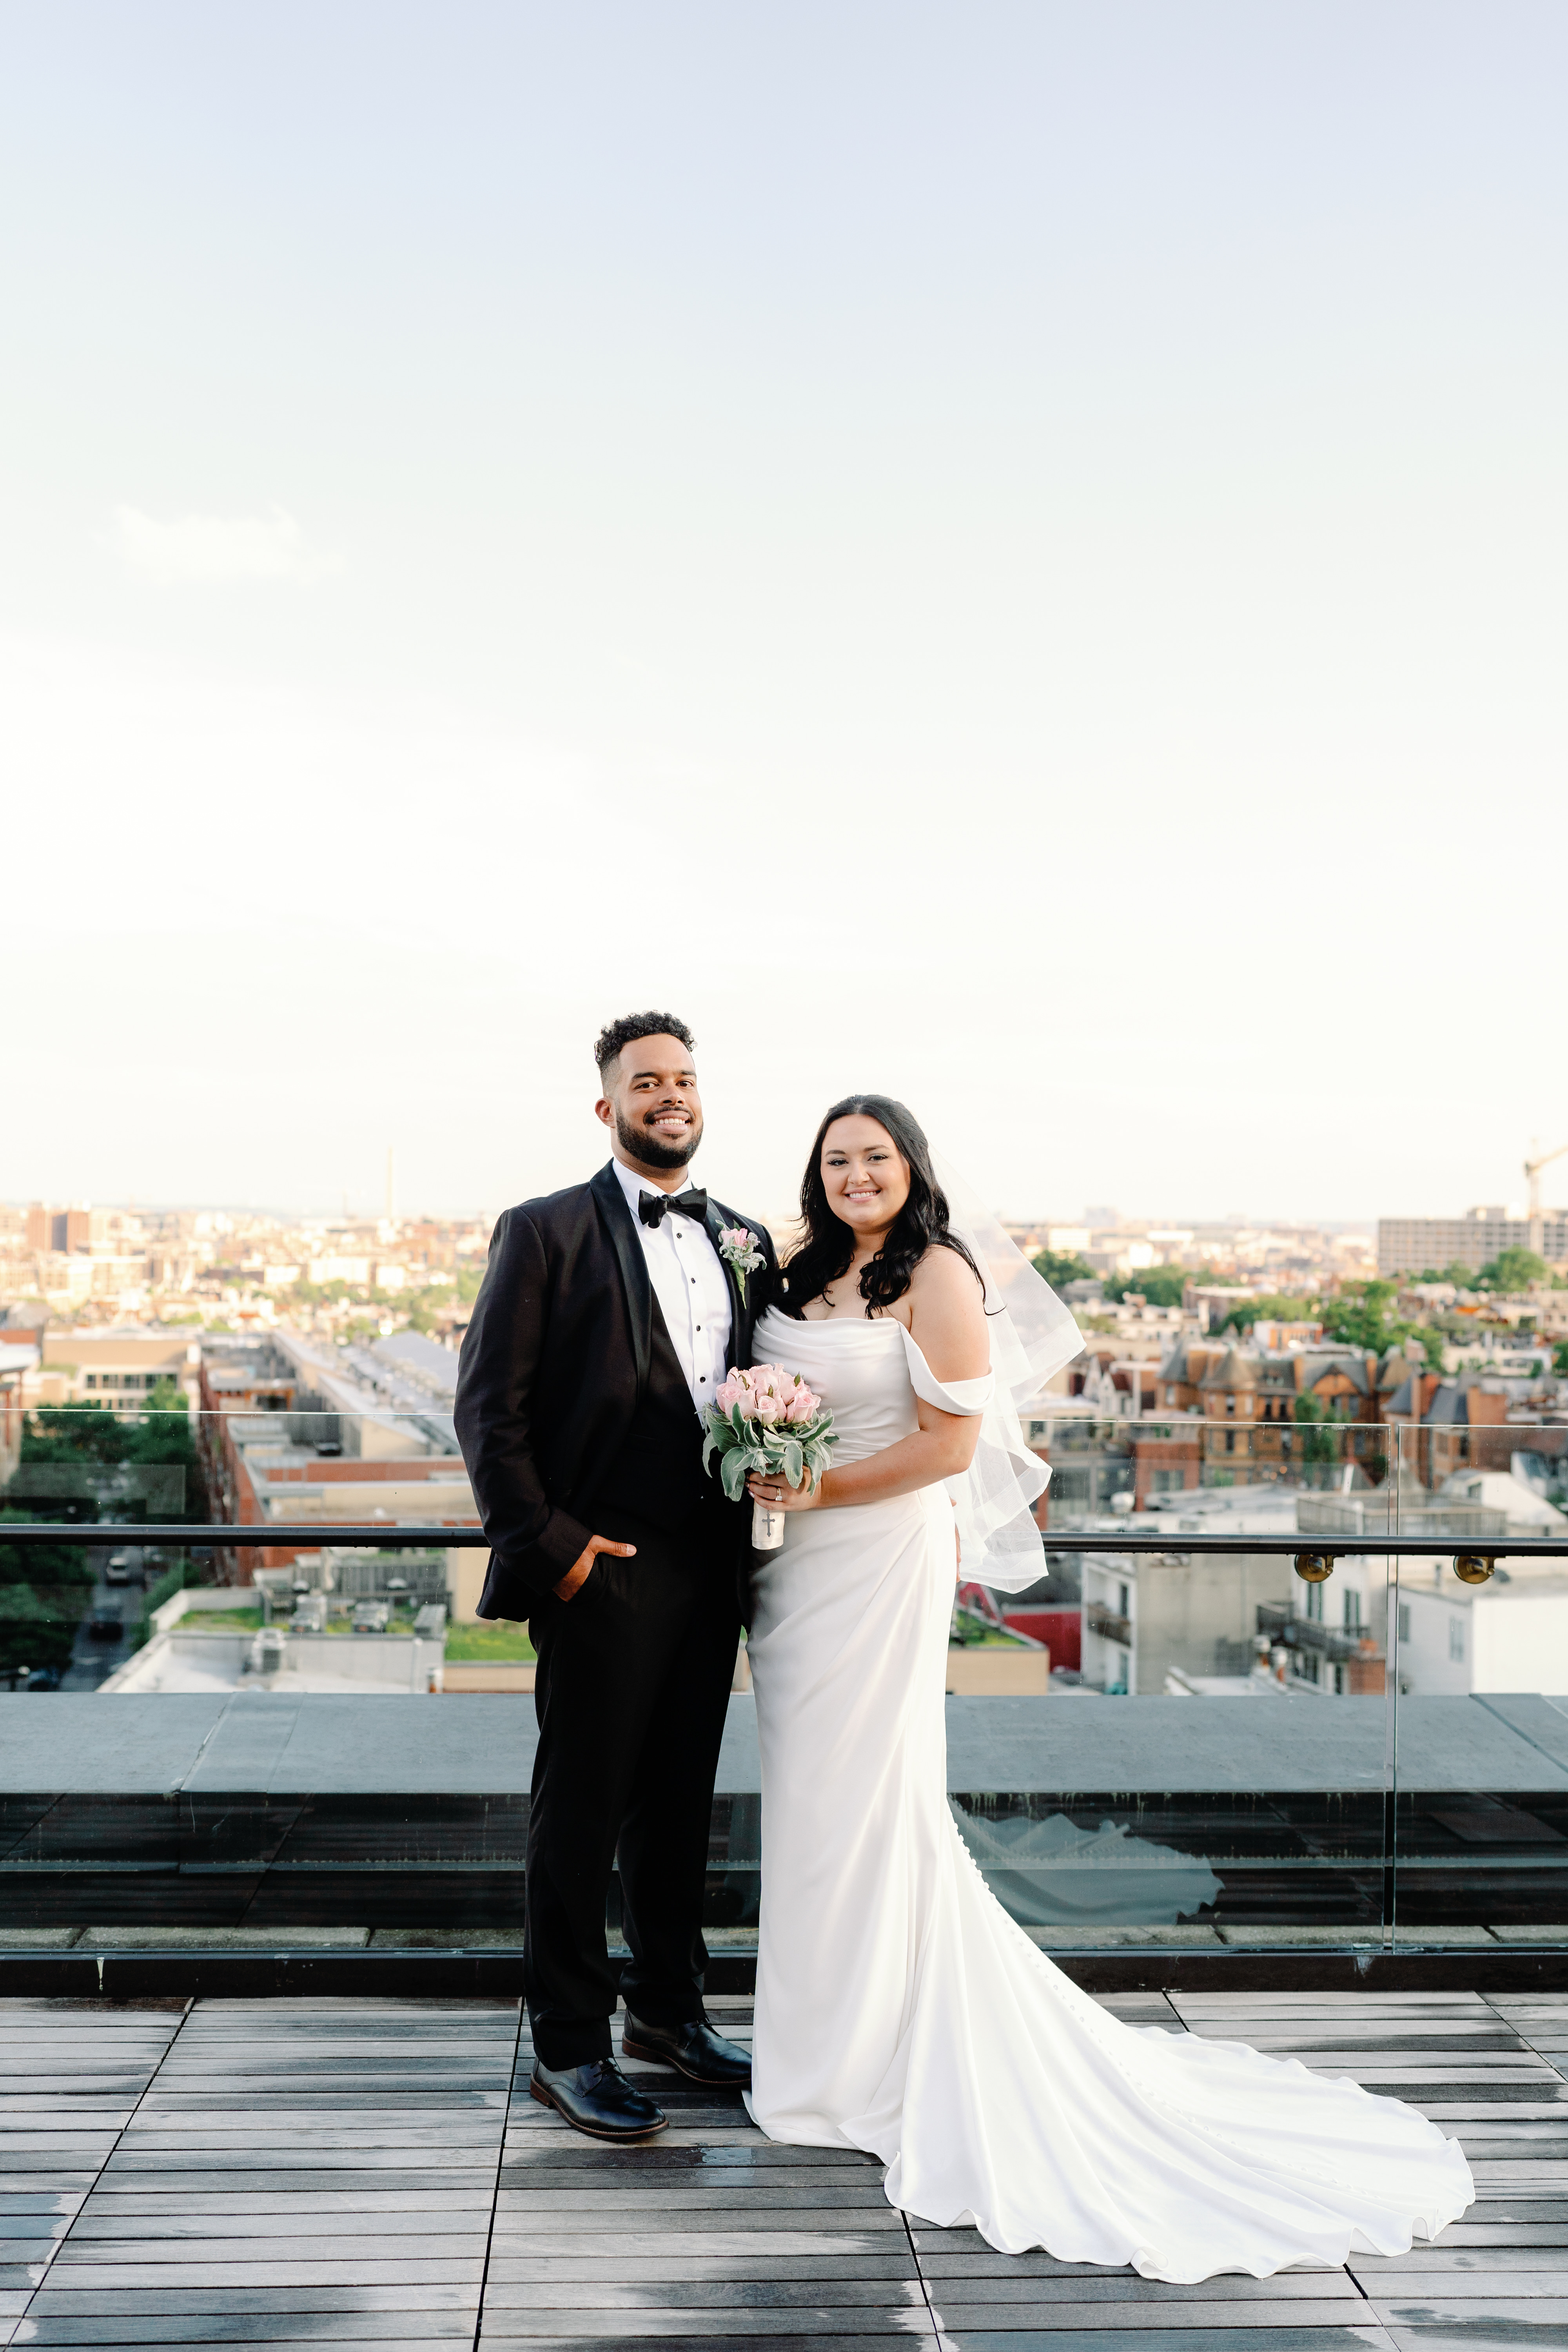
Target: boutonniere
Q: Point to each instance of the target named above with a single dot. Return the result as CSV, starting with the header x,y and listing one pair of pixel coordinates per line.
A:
x,y
738,1248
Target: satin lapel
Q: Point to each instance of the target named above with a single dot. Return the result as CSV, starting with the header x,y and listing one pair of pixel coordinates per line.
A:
x,y
628,1249
739,1312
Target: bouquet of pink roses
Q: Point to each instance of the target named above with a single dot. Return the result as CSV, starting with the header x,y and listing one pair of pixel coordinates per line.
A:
x,y
767,1420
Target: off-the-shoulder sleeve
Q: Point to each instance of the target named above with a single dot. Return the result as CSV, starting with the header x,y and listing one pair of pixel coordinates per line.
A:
x,y
968,1397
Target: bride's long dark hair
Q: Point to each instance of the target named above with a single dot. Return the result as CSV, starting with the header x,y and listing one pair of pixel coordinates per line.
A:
x,y
828,1244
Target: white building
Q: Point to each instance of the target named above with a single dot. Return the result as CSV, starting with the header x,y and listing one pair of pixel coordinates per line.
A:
x,y
1509,1634
382,1666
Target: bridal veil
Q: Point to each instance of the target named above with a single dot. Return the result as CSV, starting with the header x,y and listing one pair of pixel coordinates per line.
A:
x,y
1032,1335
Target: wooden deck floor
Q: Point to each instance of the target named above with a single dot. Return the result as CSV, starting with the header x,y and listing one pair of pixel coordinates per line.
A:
x,y
369,2173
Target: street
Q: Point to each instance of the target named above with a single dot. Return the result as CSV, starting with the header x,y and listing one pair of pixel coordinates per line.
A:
x,y
93,1661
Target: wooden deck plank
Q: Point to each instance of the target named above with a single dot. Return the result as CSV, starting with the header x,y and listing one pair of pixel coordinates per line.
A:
x,y
706,2294
236,2119
342,2170
853,2320
238,2329
330,2303
1299,2333
574,2266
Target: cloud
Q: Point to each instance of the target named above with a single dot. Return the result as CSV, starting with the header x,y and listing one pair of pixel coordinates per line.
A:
x,y
218,548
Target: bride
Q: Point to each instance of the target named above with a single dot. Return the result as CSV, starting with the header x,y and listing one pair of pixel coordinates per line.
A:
x,y
899,2009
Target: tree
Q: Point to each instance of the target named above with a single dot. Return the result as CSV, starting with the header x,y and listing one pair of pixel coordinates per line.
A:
x,y
1059,1267
1161,1286
1360,1318
1318,1443
1512,1270
46,1591
160,1436
77,1432
1273,1309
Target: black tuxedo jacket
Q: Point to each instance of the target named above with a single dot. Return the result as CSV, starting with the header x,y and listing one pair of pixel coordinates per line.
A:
x,y
554,1363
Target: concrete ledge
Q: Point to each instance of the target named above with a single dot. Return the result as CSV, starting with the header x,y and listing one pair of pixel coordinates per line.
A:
x,y
303,1744
1319,1970
985,1673
1104,1939
261,1976
458,1973
1339,1939
222,1939
461,1676
442,1939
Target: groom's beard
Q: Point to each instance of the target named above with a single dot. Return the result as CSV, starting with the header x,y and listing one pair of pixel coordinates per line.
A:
x,y
641,1144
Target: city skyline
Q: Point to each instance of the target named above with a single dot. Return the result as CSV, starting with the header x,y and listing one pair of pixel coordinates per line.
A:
x,y
360,1202
359,1209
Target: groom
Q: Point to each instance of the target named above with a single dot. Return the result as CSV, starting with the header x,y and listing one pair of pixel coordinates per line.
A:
x,y
608,1318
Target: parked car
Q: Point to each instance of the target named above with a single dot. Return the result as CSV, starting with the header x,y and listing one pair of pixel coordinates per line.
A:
x,y
120,1569
370,1616
105,1625
43,1679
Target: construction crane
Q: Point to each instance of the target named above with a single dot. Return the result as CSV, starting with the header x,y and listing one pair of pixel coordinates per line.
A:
x,y
1532,1169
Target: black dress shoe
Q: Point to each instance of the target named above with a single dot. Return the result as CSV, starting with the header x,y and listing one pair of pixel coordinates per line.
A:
x,y
693,2050
596,2099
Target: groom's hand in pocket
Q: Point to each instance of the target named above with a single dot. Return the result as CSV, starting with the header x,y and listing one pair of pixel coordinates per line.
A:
x,y
577,1574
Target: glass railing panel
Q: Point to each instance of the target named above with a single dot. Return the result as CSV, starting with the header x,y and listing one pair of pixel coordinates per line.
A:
x,y
1204,1758
1480,1827
118,1600
1241,1798
225,1779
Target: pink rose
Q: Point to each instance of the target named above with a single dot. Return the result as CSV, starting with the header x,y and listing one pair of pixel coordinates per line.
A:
x,y
801,1406
768,1409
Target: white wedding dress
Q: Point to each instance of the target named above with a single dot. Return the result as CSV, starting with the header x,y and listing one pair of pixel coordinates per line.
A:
x,y
900,2009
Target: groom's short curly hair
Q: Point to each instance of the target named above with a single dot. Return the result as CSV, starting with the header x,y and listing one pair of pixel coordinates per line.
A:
x,y
616,1034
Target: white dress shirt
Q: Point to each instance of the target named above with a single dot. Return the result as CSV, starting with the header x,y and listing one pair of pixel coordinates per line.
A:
x,y
689,1286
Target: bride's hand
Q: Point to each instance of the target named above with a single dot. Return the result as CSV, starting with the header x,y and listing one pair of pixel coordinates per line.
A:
x,y
776,1493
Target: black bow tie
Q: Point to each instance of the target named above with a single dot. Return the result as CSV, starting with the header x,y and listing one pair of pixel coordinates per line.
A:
x,y
651,1206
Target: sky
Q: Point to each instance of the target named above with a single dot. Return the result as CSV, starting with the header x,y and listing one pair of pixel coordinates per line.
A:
x,y
1010,555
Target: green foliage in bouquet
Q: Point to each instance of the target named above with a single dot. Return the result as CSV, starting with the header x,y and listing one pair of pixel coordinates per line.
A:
x,y
767,1420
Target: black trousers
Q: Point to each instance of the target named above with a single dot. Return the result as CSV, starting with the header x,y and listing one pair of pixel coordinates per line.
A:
x,y
632,1684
